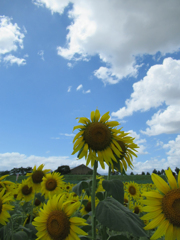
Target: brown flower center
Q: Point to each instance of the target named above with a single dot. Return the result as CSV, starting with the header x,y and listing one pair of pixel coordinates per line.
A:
x,y
132,190
88,207
51,184
98,136
37,202
58,225
26,190
136,210
171,206
37,176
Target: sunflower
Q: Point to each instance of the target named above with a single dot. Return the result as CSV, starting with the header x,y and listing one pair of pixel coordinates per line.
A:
x,y
52,184
55,220
136,207
96,139
87,208
132,189
35,178
5,206
163,207
128,149
25,191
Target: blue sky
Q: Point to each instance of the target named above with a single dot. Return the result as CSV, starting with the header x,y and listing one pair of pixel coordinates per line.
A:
x,y
60,60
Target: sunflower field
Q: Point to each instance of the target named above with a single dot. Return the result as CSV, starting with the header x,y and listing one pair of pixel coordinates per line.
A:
x,y
45,207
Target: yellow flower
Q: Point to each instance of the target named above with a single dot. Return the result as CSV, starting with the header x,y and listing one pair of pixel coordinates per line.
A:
x,y
163,207
96,139
55,221
25,191
128,147
52,184
35,178
5,206
86,209
132,189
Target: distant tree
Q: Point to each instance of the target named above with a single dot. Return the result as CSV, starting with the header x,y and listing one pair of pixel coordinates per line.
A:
x,y
174,174
158,172
162,172
64,169
131,173
143,173
177,170
147,173
154,171
2,173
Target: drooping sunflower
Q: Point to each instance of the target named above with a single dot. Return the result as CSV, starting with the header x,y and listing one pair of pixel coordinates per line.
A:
x,y
163,207
96,139
25,191
35,178
55,221
128,150
5,206
52,184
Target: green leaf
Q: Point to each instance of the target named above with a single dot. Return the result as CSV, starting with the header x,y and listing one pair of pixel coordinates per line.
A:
x,y
21,235
118,237
117,217
84,202
86,228
115,188
40,197
25,229
79,187
100,195
33,229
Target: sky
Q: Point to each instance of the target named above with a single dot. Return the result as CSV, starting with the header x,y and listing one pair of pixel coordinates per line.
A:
x,y
60,60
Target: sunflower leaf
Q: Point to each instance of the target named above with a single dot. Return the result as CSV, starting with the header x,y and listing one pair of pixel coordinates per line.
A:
x,y
21,235
118,237
117,217
115,188
79,187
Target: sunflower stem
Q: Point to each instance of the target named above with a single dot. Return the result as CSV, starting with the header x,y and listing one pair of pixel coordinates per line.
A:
x,y
93,201
31,216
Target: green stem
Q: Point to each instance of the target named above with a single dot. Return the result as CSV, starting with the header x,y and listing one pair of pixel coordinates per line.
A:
x,y
93,201
109,173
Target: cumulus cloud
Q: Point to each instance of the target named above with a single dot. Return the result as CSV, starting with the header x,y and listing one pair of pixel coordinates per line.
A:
x,y
132,28
15,160
160,86
12,60
10,36
68,134
88,91
79,87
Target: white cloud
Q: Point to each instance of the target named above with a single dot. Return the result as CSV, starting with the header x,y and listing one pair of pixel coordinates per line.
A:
x,y
130,30
41,53
15,160
69,88
160,85
79,87
10,36
68,134
88,91
12,59
69,65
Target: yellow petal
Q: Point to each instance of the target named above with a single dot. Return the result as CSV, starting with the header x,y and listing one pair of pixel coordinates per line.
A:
x,y
160,183
117,145
117,152
154,202
112,123
105,117
78,135
78,148
171,179
76,127
97,115
161,230
169,232
84,120
92,116
78,230
151,208
179,179
155,222
152,194
151,215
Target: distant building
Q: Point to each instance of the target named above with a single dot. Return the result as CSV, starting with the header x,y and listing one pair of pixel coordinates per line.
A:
x,y
81,170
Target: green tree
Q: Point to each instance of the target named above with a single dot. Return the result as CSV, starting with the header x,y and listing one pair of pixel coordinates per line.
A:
x,y
177,170
154,171
131,173
147,173
143,173
64,169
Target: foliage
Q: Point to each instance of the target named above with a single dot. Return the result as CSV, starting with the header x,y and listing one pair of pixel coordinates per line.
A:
x,y
64,169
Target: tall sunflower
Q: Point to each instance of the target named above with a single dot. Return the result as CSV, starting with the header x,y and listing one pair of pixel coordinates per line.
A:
x,y
163,207
96,139
5,206
128,150
52,184
35,178
55,221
